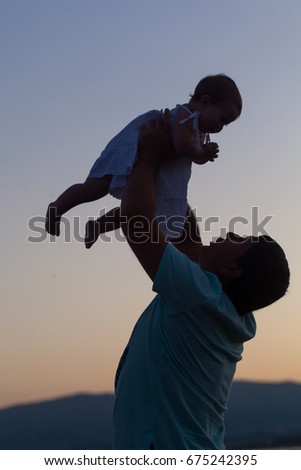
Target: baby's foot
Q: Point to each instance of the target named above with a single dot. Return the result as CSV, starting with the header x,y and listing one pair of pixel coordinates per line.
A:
x,y
52,223
92,233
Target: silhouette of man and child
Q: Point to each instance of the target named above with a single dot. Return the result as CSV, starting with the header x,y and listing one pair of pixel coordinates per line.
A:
x,y
174,377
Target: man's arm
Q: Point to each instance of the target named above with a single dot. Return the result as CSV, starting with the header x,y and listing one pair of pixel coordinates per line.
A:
x,y
138,206
190,243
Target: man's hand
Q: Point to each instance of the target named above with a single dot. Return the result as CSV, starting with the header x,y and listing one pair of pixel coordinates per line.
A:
x,y
155,141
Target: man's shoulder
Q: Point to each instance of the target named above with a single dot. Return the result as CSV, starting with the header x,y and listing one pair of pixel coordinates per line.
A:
x,y
173,256
183,281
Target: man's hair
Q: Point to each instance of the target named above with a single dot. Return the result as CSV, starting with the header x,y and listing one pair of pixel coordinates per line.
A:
x,y
264,279
220,88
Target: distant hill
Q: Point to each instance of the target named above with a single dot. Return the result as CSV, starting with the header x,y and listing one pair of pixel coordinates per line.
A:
x,y
263,415
259,416
76,422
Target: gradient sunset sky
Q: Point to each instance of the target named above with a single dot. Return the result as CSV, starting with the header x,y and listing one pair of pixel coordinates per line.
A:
x,y
73,73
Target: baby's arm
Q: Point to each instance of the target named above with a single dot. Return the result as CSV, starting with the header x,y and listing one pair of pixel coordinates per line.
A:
x,y
184,141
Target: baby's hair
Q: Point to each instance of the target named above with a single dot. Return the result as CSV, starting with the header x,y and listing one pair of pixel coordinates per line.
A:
x,y
220,88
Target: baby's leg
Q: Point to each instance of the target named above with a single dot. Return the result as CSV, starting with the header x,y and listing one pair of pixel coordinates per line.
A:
x,y
91,190
108,222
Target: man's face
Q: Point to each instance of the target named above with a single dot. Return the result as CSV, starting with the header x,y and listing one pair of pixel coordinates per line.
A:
x,y
222,255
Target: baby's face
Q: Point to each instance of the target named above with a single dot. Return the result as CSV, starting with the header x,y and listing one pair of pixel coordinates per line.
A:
x,y
214,116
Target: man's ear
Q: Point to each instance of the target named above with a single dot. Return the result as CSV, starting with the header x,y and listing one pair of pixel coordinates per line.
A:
x,y
231,272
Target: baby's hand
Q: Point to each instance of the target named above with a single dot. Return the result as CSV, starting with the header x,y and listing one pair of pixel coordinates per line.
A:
x,y
208,152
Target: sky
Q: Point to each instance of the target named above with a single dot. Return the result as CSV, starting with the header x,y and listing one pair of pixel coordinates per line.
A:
x,y
74,73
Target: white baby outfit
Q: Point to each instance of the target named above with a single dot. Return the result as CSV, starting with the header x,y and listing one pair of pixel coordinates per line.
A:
x,y
118,159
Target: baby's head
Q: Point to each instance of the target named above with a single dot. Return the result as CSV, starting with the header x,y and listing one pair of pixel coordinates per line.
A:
x,y
218,100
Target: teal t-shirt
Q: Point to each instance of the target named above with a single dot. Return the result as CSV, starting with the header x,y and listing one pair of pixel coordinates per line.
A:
x,y
174,378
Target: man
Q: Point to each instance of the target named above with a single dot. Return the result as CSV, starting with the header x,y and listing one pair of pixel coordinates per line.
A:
x,y
174,378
